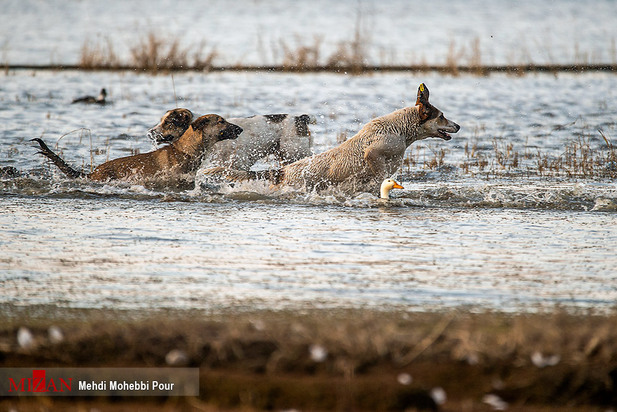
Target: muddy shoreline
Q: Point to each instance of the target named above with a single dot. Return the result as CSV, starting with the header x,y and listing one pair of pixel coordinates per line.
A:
x,y
332,360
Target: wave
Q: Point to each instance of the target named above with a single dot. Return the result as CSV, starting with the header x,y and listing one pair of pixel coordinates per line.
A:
x,y
440,191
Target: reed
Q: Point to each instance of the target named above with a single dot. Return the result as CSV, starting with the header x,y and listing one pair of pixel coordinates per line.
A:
x,y
98,54
453,58
352,54
154,52
204,56
303,56
578,159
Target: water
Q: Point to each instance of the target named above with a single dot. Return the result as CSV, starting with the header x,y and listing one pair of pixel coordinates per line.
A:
x,y
142,254
252,31
449,239
510,239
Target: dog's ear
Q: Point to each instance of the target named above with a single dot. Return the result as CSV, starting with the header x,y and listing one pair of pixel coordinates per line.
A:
x,y
182,117
201,122
422,94
424,107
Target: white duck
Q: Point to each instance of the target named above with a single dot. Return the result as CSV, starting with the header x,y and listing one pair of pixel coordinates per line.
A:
x,y
386,186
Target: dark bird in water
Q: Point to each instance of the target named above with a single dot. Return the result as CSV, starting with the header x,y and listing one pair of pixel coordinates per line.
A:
x,y
100,99
9,172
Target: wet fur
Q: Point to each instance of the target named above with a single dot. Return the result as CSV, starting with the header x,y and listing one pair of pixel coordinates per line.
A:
x,y
181,157
362,162
286,137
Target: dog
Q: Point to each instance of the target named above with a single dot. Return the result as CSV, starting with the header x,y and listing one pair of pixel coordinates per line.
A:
x,y
363,161
286,137
100,99
181,157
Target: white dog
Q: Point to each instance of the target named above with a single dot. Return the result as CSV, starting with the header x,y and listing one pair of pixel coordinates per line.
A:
x,y
285,136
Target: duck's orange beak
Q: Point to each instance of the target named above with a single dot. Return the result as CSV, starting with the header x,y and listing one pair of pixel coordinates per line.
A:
x,y
397,186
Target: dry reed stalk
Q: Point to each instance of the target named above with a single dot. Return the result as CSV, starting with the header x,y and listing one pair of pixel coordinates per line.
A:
x,y
352,55
155,53
452,58
95,55
302,57
204,56
579,159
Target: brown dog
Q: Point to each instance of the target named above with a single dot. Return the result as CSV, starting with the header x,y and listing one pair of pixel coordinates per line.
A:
x,y
285,136
183,156
173,124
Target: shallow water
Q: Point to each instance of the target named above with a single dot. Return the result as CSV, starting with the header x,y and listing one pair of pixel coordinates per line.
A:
x,y
512,242
534,112
141,254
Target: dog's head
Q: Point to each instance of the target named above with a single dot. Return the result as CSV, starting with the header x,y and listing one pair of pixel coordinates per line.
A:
x,y
296,140
432,121
173,124
214,128
301,123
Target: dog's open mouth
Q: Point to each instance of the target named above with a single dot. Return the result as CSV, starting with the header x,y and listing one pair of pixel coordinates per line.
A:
x,y
158,138
155,136
443,134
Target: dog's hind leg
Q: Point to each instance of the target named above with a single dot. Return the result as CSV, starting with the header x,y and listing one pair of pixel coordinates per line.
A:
x,y
62,165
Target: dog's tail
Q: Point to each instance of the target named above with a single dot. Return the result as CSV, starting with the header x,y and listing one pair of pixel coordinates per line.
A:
x,y
62,165
274,176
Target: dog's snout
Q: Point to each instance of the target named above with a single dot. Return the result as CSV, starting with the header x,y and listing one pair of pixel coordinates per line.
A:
x,y
456,127
232,131
156,136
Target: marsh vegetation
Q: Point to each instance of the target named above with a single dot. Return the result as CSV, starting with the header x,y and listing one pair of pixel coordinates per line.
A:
x,y
155,53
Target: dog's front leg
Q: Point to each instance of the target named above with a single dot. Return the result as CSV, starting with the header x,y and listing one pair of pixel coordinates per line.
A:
x,y
375,161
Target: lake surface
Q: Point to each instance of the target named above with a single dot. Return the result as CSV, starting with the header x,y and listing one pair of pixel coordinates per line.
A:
x,y
246,255
495,219
260,31
509,240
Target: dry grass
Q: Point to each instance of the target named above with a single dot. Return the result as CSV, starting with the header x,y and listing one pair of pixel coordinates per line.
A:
x,y
579,159
468,58
156,53
302,57
98,54
204,56
153,53
349,360
350,55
